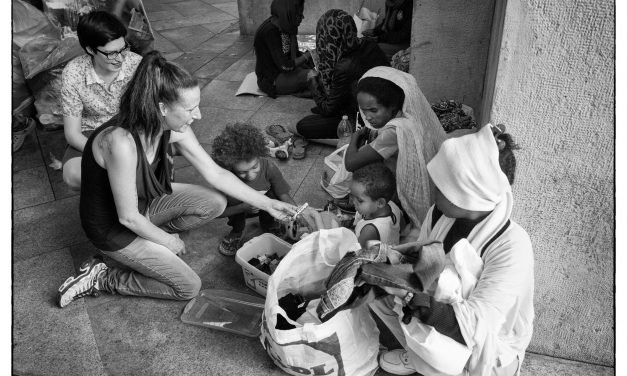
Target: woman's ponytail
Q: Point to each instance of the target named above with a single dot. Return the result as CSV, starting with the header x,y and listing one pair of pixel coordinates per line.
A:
x,y
155,80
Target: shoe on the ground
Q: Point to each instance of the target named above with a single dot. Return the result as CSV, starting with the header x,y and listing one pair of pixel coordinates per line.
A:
x,y
230,244
299,151
20,132
83,284
396,362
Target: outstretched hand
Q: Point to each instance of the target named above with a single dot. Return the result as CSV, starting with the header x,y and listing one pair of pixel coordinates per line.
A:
x,y
280,210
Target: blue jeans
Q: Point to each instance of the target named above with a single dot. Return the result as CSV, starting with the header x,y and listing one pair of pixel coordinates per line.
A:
x,y
154,270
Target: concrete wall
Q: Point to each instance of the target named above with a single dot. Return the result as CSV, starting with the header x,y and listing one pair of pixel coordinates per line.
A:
x,y
253,12
555,92
449,48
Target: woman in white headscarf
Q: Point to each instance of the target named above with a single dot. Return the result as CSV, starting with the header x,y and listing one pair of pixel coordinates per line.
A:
x,y
407,135
476,318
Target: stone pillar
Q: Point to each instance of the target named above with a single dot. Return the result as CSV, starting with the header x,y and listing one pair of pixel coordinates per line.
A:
x,y
449,49
555,92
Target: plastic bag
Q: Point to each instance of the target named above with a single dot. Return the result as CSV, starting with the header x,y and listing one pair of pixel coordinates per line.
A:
x,y
130,12
337,180
348,343
21,96
47,52
46,87
30,23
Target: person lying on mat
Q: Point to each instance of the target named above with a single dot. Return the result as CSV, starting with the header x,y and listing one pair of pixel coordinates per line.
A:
x,y
130,208
476,317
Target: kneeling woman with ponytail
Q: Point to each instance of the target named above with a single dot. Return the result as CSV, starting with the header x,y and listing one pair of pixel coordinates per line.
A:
x,y
130,209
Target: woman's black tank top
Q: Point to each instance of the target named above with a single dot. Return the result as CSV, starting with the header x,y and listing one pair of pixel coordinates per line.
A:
x,y
99,216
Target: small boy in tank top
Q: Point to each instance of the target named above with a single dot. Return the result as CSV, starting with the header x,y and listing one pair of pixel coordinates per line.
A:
x,y
377,217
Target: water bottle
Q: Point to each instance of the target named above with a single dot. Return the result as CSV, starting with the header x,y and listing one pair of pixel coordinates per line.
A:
x,y
344,132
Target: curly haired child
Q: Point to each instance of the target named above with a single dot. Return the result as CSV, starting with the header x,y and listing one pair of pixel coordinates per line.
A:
x,y
377,217
241,148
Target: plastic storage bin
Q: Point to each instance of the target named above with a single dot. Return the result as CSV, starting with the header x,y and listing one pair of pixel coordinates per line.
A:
x,y
262,244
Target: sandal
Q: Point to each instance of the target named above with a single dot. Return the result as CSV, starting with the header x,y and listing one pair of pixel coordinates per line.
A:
x,y
299,151
278,132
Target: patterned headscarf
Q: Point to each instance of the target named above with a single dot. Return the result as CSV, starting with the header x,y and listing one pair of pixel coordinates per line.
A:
x,y
336,36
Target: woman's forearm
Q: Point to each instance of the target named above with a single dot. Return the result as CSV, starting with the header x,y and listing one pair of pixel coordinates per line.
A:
x,y
142,226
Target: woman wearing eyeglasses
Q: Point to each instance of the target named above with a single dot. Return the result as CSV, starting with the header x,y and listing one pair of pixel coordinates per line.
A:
x,y
92,85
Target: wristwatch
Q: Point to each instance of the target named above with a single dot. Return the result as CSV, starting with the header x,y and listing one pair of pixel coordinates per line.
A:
x,y
408,298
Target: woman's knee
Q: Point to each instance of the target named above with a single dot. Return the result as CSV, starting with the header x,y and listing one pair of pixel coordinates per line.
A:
x,y
72,174
212,203
189,287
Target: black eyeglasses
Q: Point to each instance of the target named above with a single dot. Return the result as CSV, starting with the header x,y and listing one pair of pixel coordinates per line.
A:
x,y
112,55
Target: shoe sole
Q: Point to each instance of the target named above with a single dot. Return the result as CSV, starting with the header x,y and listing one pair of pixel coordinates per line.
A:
x,y
225,252
391,371
86,269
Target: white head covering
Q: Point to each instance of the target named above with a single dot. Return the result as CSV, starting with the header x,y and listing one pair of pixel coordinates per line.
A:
x,y
466,170
419,135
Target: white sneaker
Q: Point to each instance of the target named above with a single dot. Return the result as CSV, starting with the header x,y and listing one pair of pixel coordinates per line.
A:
x,y
396,362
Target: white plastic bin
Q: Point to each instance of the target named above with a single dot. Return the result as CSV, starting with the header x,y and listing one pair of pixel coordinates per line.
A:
x,y
262,244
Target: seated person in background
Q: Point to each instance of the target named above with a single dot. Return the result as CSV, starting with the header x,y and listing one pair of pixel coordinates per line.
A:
x,y
343,59
394,33
407,136
92,85
280,67
241,149
377,217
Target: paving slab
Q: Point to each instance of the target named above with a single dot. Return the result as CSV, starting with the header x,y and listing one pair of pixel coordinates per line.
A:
x,y
157,6
291,105
238,49
53,144
193,7
265,116
237,71
218,27
221,94
195,19
48,340
28,156
219,1
31,187
310,190
172,56
214,120
230,8
540,365
47,227
220,43
215,67
187,38
163,44
191,61
160,12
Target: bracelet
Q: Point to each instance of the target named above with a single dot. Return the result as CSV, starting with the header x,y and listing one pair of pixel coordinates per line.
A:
x,y
408,298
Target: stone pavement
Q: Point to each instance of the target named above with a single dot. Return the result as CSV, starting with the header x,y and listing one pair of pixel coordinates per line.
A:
x,y
114,335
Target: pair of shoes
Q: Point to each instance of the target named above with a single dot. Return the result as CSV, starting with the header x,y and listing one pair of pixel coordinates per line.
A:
x,y
279,133
396,362
279,151
230,244
83,284
20,135
299,144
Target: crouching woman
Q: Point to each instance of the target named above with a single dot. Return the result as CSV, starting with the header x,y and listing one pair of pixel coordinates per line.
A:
x,y
130,209
475,316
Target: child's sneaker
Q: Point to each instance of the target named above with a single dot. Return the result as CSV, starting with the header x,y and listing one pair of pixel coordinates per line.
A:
x,y
230,244
83,284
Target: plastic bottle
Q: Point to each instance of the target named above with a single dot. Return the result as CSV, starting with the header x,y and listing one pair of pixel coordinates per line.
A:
x,y
344,132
